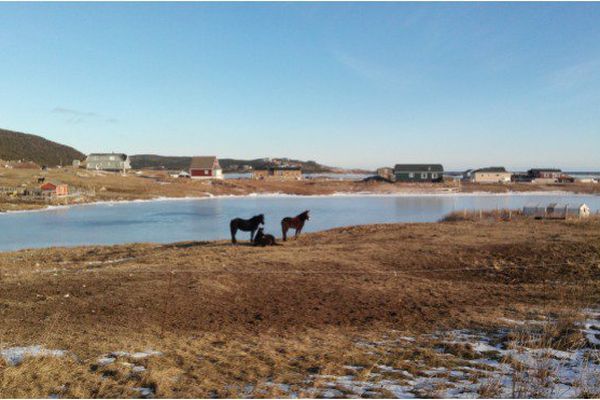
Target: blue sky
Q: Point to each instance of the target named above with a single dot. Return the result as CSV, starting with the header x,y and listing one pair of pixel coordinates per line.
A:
x,y
350,85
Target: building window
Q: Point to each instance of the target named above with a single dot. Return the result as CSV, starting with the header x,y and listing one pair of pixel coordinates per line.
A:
x,y
434,175
411,174
423,175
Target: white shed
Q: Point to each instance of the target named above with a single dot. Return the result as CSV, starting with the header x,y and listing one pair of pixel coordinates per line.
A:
x,y
580,211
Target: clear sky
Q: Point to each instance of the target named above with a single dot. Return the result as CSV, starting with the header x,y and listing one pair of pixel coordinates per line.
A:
x,y
350,85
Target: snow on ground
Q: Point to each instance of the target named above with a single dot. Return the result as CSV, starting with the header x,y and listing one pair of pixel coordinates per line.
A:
x,y
15,355
145,392
500,368
592,327
466,364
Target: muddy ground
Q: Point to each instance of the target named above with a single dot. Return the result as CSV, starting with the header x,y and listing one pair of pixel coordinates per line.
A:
x,y
223,317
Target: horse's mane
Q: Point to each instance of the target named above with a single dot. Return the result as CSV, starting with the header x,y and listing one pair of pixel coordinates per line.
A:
x,y
303,216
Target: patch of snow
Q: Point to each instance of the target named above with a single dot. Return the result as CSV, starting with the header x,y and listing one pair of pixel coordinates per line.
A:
x,y
484,347
144,354
145,392
331,394
15,355
138,369
105,360
407,338
543,372
592,331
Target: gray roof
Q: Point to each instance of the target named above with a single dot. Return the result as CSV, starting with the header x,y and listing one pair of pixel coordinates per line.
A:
x,y
491,169
418,168
545,170
204,162
122,156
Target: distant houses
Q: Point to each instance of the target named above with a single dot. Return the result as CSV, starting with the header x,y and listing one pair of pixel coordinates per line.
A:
x,y
205,167
548,173
116,162
418,173
488,175
278,172
542,175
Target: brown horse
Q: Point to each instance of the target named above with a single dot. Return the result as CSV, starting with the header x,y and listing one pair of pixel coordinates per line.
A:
x,y
296,223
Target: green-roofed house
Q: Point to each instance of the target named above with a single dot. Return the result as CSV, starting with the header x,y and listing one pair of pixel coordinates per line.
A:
x,y
419,172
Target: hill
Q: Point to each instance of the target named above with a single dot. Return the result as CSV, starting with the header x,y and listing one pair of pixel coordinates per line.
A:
x,y
151,161
23,146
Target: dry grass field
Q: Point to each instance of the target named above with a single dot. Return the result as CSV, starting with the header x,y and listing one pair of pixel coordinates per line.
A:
x,y
152,184
372,311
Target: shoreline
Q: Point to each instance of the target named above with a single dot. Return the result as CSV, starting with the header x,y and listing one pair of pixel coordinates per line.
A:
x,y
440,193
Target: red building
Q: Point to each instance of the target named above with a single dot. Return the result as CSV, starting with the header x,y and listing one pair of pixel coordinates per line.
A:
x,y
55,190
206,167
48,187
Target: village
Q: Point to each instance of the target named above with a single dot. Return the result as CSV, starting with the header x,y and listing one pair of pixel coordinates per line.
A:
x,y
110,176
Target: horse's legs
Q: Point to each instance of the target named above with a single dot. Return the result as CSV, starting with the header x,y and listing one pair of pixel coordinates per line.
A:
x,y
284,231
233,231
252,236
297,233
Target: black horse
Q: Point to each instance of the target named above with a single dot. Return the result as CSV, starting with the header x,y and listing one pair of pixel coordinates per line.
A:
x,y
246,225
264,239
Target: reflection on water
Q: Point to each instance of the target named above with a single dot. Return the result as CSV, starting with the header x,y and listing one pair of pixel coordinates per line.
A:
x,y
208,219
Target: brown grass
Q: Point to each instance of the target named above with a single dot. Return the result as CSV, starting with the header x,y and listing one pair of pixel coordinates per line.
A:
x,y
239,315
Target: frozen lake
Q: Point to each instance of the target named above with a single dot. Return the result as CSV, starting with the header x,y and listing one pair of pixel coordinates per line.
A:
x,y
208,219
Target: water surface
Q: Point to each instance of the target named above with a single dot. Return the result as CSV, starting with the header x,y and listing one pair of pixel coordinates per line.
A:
x,y
208,219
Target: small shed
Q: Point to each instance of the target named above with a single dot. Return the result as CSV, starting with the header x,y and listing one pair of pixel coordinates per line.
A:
x,y
386,173
62,189
556,211
205,167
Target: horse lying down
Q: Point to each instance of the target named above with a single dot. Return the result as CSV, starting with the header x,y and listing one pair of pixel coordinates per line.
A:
x,y
262,239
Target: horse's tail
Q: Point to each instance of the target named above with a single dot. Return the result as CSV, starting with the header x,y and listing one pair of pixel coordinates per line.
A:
x,y
233,229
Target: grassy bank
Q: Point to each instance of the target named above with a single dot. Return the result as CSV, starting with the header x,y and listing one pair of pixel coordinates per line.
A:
x,y
153,184
345,311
